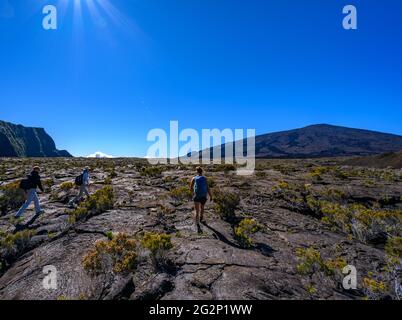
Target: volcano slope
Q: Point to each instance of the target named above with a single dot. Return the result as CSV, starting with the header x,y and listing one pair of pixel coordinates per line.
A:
x,y
285,233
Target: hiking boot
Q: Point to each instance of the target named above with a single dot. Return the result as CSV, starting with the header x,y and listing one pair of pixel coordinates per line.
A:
x,y
40,212
19,227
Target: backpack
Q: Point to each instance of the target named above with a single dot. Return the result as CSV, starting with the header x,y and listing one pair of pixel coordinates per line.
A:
x,y
200,187
25,184
79,180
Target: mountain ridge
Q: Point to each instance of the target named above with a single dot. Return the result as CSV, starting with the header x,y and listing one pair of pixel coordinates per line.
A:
x,y
19,141
322,140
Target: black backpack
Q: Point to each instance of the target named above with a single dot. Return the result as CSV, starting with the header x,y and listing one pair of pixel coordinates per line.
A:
x,y
79,180
26,184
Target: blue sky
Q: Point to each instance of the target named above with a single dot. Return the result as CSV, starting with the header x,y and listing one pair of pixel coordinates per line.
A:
x,y
116,69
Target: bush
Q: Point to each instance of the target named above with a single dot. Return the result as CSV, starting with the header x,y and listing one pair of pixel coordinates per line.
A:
x,y
374,290
312,261
101,201
244,230
118,254
281,186
226,204
112,174
394,247
68,185
11,197
317,172
48,184
181,193
153,171
356,219
211,182
158,244
12,245
107,181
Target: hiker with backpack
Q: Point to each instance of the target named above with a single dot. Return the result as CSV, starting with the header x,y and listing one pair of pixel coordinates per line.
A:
x,y
30,185
200,189
81,181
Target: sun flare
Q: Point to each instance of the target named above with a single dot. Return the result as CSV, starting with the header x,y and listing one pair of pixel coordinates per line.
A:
x,y
101,12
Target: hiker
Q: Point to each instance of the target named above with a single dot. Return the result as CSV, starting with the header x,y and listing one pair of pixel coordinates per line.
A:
x,y
29,186
83,182
200,189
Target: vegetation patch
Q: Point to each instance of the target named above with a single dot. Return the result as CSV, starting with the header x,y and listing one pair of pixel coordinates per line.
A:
x,y
373,289
244,231
226,204
118,254
99,202
11,197
66,186
181,193
158,244
311,261
153,171
13,244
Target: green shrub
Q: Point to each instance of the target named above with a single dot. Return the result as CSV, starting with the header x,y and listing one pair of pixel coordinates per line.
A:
x,y
118,255
153,171
107,181
158,244
226,204
68,185
11,197
211,182
99,202
317,172
356,219
244,230
110,235
112,174
374,290
11,245
48,184
181,193
334,194
394,247
281,186
312,261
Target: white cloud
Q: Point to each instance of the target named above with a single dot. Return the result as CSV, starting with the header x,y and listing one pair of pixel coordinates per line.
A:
x,y
99,154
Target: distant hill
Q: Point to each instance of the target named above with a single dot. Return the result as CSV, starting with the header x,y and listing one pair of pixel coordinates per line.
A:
x,y
391,159
325,140
20,141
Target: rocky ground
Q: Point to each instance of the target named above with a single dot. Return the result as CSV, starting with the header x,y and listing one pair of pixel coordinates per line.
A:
x,y
312,218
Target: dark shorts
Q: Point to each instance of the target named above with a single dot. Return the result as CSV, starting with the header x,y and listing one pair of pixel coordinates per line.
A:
x,y
202,200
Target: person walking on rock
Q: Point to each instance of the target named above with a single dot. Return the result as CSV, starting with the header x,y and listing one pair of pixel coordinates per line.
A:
x,y
83,182
30,186
200,189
